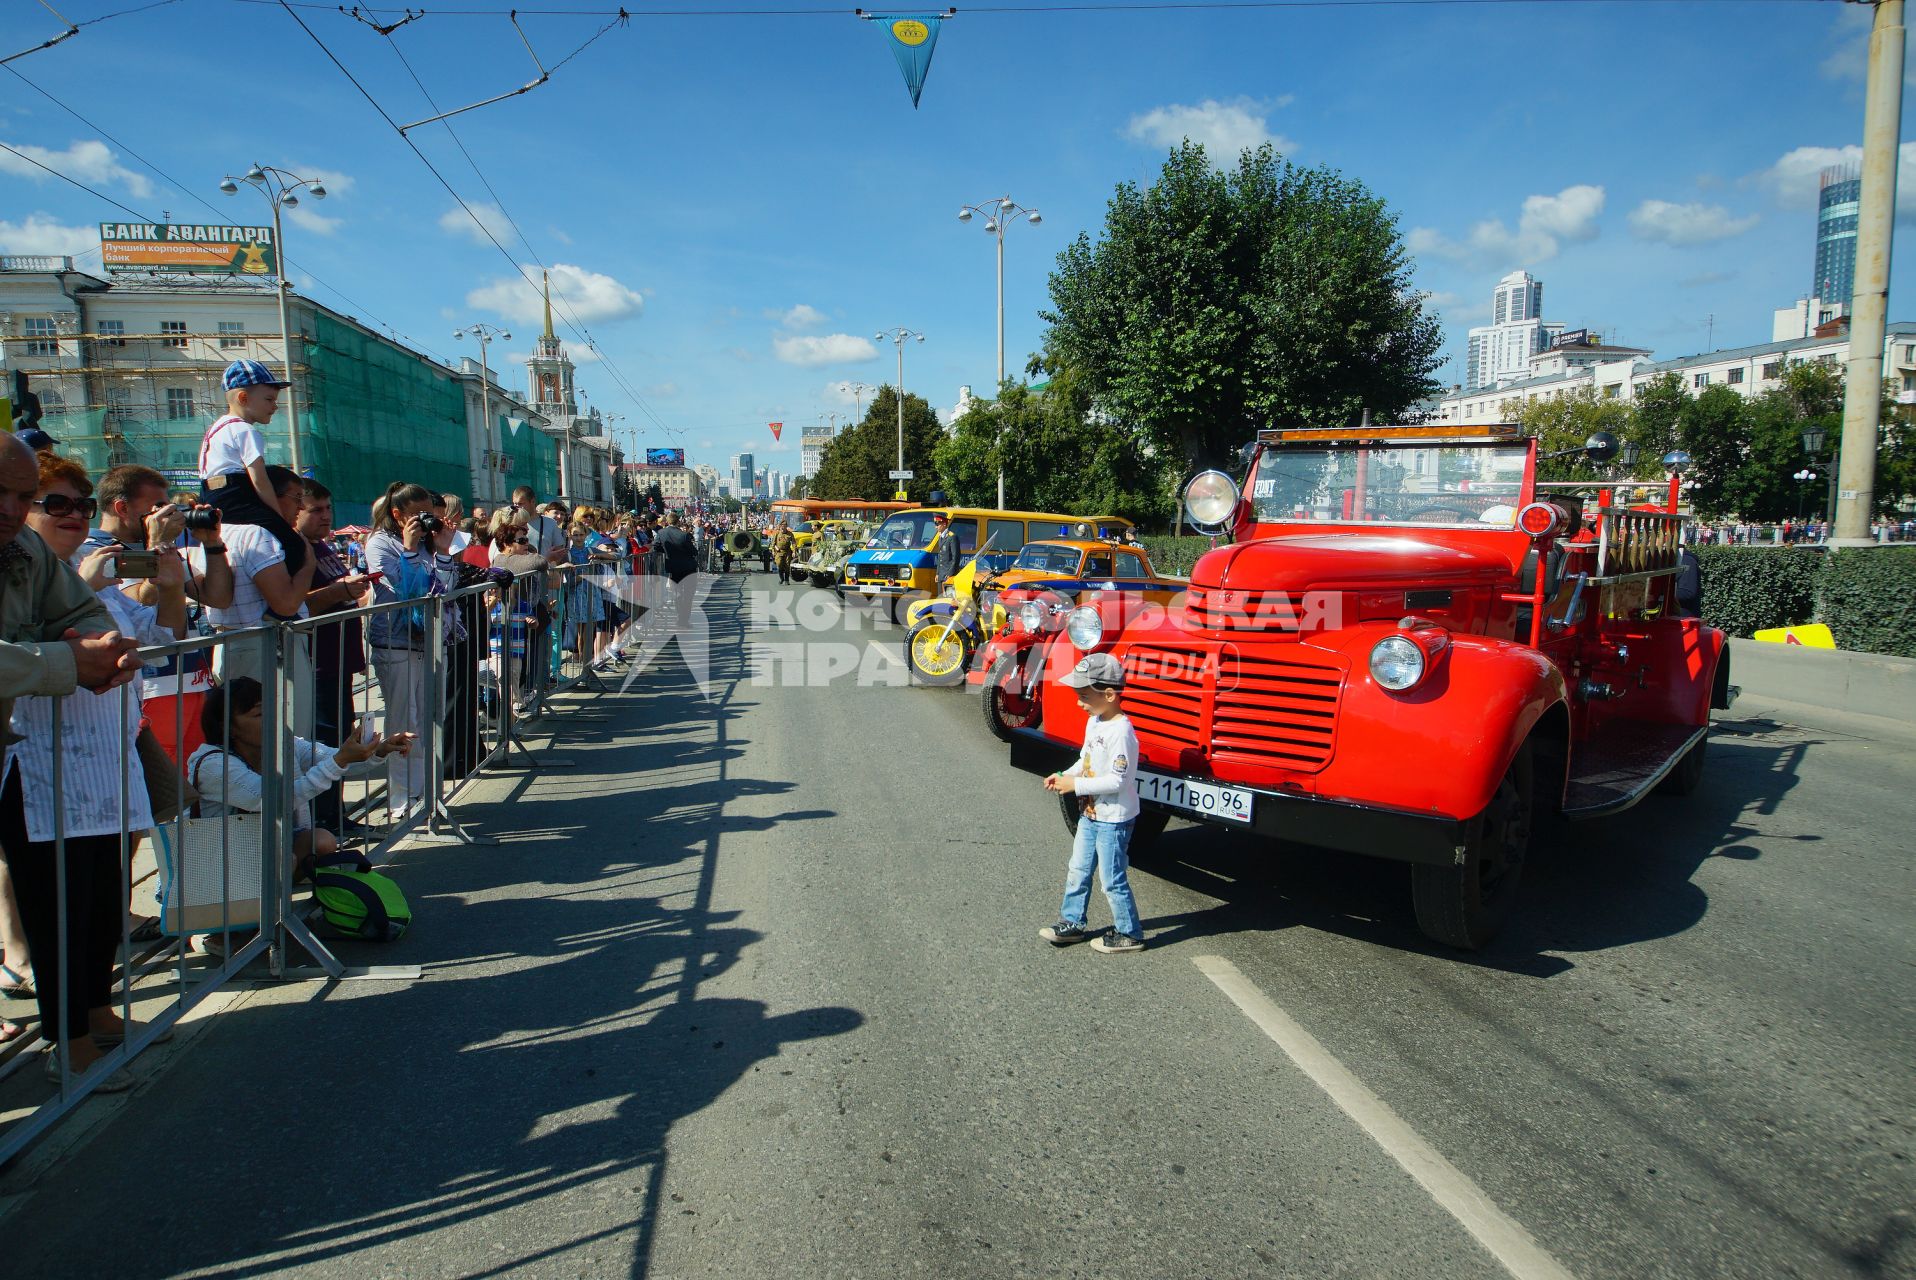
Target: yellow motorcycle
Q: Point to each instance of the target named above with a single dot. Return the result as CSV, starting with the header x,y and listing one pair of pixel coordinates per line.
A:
x,y
942,634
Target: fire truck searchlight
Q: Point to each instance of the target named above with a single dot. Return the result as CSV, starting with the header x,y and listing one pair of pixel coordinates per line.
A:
x,y
1210,499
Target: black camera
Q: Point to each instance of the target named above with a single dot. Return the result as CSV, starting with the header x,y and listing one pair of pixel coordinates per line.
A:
x,y
430,525
200,519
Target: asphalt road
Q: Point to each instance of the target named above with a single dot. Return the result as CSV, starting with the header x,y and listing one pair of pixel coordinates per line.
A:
x,y
752,988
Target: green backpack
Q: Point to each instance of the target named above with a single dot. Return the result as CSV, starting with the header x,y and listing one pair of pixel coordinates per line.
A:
x,y
358,901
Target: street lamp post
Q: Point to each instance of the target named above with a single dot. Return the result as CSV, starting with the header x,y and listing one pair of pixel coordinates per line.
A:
x,y
899,337
485,333
999,214
1801,477
281,190
1814,440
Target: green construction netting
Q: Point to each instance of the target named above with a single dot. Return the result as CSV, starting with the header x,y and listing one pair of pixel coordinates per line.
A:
x,y
369,414
531,457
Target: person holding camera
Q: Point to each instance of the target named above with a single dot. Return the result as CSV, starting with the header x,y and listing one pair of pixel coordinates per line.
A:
x,y
141,523
265,585
405,554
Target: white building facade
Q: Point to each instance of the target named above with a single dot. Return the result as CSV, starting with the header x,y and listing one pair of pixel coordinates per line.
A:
x,y
1500,351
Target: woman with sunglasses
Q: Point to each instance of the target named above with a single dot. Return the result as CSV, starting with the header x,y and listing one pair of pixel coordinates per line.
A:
x,y
96,752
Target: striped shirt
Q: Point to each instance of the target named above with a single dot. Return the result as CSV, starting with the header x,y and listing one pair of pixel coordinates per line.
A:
x,y
96,747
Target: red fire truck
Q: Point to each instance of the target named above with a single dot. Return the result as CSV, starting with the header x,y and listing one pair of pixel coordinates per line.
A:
x,y
1411,648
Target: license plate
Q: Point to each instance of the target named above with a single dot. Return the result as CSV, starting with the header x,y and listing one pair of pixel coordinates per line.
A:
x,y
1233,804
870,589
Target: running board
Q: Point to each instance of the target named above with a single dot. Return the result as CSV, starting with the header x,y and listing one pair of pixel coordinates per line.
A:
x,y
1623,763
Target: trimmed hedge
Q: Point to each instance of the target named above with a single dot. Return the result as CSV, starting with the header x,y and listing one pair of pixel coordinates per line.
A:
x,y
1745,588
1868,598
1175,555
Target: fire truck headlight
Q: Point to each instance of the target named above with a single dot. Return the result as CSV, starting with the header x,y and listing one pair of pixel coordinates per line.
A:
x,y
1397,663
1031,616
1084,627
1209,499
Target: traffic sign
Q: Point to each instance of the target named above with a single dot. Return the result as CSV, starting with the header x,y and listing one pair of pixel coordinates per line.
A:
x,y
903,475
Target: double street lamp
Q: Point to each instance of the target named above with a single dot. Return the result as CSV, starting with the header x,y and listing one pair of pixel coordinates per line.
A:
x,y
281,190
899,337
1801,477
486,333
999,214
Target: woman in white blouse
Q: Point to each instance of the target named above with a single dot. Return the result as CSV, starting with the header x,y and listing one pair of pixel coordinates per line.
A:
x,y
228,772
102,791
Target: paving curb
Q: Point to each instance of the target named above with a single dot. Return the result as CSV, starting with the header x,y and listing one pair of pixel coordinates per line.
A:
x,y
1865,684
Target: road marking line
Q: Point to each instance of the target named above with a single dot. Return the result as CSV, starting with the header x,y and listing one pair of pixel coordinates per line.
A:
x,y
1464,1200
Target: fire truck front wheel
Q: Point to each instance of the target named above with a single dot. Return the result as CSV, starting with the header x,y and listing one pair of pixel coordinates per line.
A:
x,y
1464,905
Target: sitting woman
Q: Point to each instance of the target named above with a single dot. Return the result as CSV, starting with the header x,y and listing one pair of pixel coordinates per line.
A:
x,y
228,778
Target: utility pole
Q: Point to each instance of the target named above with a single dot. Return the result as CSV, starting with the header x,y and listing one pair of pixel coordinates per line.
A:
x,y
1869,308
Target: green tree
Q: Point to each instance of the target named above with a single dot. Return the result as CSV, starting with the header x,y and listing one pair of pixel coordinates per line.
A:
x,y
1566,422
858,461
1655,414
1057,454
1218,303
1713,428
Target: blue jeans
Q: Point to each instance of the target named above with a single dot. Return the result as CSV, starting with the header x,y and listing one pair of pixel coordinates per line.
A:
x,y
1105,844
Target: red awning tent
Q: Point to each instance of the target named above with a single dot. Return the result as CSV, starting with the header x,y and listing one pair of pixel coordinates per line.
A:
x,y
352,531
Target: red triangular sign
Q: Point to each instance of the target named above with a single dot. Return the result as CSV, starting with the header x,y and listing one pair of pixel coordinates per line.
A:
x,y
777,429
1789,637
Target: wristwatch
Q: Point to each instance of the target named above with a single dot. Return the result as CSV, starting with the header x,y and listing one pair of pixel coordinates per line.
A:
x,y
217,548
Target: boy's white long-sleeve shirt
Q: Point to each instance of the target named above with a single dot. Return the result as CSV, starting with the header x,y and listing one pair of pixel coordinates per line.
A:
x,y
1107,769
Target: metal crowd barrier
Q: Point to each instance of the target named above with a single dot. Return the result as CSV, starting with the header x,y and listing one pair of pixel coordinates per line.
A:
x,y
470,668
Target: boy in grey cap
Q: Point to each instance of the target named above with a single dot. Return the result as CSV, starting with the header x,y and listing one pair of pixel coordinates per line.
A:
x,y
1106,782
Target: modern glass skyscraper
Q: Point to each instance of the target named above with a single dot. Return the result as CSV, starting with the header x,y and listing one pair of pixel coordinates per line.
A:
x,y
1500,351
1837,199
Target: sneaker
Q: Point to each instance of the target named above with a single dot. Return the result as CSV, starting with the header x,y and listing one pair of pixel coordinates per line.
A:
x,y
1113,943
119,1082
1064,933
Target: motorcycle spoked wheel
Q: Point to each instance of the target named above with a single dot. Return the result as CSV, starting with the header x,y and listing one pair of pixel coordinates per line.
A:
x,y
938,654
1004,710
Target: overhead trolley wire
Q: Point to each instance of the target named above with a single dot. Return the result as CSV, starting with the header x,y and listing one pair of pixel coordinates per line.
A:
x,y
199,199
1086,6
572,322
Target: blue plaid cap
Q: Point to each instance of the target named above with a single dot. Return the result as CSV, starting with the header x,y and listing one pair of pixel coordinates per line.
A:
x,y
250,373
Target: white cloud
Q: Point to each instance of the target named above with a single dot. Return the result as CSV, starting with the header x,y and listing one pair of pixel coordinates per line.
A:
x,y
1455,308
457,222
831,348
1686,224
1223,128
306,213
90,161
1793,180
1545,225
841,392
663,390
588,296
705,444
799,317
1703,280
40,234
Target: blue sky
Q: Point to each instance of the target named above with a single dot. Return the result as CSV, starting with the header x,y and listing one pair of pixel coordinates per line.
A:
x,y
734,205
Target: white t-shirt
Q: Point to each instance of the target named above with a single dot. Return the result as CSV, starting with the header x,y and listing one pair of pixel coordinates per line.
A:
x,y
231,444
547,536
250,549
1107,768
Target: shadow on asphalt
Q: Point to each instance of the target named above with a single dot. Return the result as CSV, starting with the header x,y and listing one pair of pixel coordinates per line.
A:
x,y
303,1135
1588,886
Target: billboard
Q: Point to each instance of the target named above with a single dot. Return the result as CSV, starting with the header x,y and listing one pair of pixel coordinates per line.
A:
x,y
180,246
665,457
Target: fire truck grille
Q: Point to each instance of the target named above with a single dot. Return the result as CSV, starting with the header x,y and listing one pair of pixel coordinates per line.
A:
x,y
1278,711
1269,613
1164,694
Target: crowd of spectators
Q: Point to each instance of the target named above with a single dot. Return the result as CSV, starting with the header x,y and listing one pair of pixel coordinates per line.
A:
x,y
92,569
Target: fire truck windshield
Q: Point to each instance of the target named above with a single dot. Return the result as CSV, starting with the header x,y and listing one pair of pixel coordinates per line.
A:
x,y
1475,486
